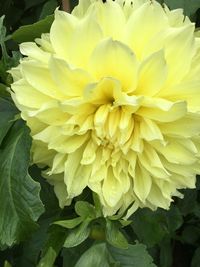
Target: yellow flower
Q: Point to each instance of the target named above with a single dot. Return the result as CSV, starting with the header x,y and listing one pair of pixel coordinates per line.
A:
x,y
112,98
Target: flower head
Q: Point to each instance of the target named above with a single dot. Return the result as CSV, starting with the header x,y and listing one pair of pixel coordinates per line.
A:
x,y
112,98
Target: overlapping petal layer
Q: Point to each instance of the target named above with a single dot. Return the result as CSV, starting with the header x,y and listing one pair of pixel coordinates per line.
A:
x,y
112,98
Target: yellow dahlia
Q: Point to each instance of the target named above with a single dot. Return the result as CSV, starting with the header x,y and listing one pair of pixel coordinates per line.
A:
x,y
112,98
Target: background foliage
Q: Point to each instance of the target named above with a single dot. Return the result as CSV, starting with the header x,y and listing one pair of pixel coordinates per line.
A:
x,y
34,231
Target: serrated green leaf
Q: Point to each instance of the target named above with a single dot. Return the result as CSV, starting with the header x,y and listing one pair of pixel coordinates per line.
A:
x,y
28,33
85,209
70,223
114,236
19,194
47,194
135,256
97,256
78,234
7,114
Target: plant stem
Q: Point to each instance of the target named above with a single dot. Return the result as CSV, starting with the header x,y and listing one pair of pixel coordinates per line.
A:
x,y
66,5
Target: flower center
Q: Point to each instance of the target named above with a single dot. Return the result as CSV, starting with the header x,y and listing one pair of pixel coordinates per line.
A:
x,y
113,127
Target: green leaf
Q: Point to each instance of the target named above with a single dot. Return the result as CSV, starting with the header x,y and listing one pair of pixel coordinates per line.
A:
x,y
70,223
19,194
28,33
187,205
49,258
78,234
150,227
7,114
174,218
6,61
31,249
29,3
97,204
47,194
190,234
7,264
135,256
85,209
52,247
3,90
71,255
189,6
114,236
48,8
125,222
166,259
97,256
5,58
196,258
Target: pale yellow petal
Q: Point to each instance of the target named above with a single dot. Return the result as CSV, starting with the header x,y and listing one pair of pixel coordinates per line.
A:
x,y
114,59
39,77
71,82
61,32
141,183
68,144
86,35
112,190
156,198
26,95
187,126
34,52
152,74
175,112
139,31
149,130
188,91
111,17
175,152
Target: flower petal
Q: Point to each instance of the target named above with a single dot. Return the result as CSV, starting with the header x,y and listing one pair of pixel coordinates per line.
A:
x,y
114,59
61,32
70,81
153,67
